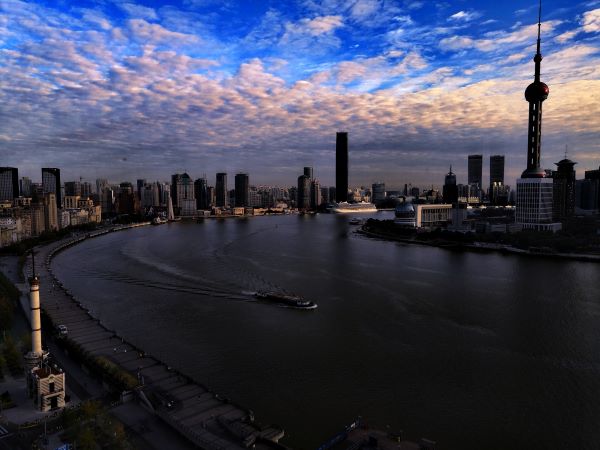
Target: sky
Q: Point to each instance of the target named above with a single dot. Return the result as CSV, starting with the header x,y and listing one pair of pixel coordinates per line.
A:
x,y
125,90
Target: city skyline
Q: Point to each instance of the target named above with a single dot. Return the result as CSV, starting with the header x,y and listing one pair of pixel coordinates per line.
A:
x,y
128,90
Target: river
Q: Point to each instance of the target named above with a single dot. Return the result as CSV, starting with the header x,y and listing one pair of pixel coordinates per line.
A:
x,y
470,350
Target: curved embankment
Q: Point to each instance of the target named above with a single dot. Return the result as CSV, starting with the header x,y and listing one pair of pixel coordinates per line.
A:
x,y
481,247
205,418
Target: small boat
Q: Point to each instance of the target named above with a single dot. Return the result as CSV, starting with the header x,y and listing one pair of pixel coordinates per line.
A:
x,y
292,301
158,221
355,221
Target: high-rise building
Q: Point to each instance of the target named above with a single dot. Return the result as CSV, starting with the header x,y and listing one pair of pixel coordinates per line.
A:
x,y
201,193
378,192
221,194
50,212
593,179
242,185
101,183
341,166
184,190
325,195
308,171
496,169
174,181
534,191
9,183
475,169
332,194
210,192
73,188
25,186
51,183
315,194
86,189
563,181
303,192
126,201
140,186
450,191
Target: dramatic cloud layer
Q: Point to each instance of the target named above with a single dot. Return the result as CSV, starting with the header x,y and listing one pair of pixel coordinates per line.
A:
x,y
128,90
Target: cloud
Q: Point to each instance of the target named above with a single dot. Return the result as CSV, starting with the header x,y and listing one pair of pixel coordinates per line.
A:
x,y
316,26
138,11
591,21
566,36
465,16
152,33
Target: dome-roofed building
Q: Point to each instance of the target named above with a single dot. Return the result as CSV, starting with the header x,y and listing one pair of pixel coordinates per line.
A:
x,y
405,214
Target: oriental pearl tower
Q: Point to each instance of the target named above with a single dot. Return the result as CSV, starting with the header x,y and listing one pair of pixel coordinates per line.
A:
x,y
535,94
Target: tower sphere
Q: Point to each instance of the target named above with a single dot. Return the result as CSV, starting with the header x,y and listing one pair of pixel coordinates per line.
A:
x,y
537,91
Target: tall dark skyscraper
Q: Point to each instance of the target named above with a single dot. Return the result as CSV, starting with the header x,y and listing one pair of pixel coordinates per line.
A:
x,y
496,169
475,175
341,166
450,192
51,183
308,171
563,195
9,183
242,185
140,186
221,194
174,181
201,193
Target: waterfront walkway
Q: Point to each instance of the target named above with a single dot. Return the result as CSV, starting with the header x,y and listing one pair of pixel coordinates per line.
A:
x,y
196,412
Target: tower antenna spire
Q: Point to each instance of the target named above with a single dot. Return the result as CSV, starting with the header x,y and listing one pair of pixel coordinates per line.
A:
x,y
538,56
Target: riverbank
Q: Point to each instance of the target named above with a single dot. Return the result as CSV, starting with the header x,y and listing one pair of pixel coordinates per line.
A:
x,y
477,246
202,416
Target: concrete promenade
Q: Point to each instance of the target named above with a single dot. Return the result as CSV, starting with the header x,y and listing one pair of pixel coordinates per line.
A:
x,y
192,409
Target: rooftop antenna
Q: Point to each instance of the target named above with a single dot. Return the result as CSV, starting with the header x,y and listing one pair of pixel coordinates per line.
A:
x,y
566,150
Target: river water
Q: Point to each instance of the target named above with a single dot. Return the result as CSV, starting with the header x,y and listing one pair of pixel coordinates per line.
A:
x,y
474,351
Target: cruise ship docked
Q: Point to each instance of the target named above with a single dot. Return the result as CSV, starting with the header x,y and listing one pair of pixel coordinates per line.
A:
x,y
360,207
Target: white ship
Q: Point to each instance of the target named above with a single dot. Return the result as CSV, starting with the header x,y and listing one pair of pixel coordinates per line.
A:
x,y
361,207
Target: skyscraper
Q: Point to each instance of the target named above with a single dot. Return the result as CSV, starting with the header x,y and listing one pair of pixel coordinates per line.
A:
x,y
450,192
475,175
9,183
140,186
534,190
221,197
25,186
341,166
51,183
315,194
496,169
241,189
563,193
308,171
184,190
73,188
201,193
378,192
174,180
303,192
